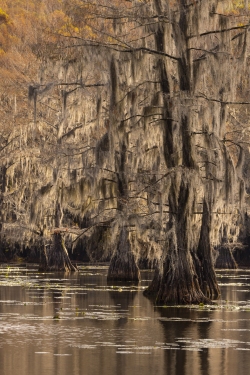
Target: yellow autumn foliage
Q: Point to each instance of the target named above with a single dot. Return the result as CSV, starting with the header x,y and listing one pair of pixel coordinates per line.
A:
x,y
236,7
4,18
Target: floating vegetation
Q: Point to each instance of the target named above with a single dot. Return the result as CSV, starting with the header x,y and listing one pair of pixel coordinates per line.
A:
x,y
84,314
208,343
42,352
223,305
140,318
85,346
242,348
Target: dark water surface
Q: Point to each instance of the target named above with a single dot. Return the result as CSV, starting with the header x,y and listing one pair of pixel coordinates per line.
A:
x,y
71,325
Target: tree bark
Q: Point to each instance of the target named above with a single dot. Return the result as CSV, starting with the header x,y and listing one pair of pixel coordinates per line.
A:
x,y
225,259
204,261
2,256
241,255
56,258
43,262
176,280
123,266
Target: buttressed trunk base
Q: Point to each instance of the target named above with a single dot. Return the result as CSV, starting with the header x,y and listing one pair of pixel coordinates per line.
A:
x,y
225,258
57,258
123,266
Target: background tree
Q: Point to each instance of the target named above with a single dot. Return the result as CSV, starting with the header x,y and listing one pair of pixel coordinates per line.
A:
x,y
131,131
193,132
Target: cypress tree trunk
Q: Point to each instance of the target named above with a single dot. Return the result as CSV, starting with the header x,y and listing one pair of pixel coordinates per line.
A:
x,y
204,262
56,258
57,255
176,280
123,266
241,255
3,171
43,262
225,258
2,256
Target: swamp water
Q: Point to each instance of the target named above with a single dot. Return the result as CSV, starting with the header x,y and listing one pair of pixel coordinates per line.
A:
x,y
71,325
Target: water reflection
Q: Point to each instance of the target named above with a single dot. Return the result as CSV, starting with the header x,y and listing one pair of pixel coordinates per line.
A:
x,y
78,324
182,335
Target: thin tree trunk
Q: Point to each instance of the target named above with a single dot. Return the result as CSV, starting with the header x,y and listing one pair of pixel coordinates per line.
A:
x,y
43,262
